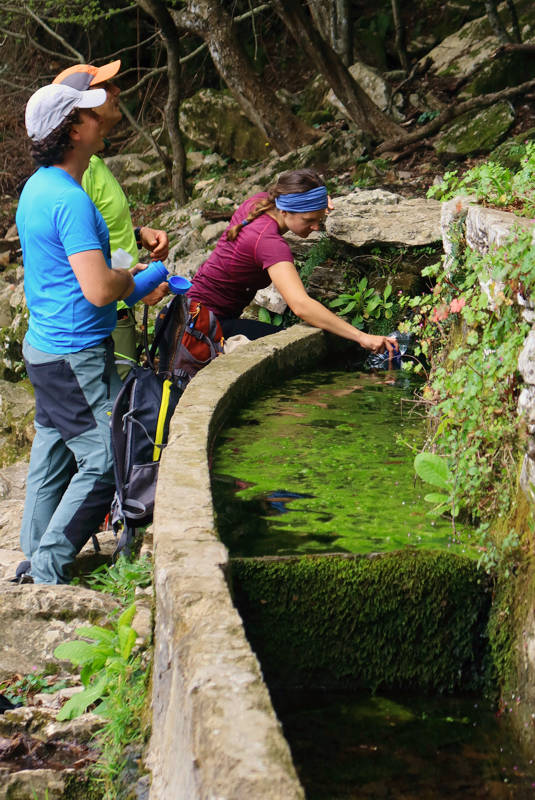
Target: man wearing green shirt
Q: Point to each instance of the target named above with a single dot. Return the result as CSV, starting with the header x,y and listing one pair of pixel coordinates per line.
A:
x,y
106,193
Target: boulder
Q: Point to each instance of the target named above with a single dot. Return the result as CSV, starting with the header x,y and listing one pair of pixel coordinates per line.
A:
x,y
13,490
377,89
140,176
212,119
213,231
477,132
16,417
270,298
369,217
34,619
511,152
470,47
187,265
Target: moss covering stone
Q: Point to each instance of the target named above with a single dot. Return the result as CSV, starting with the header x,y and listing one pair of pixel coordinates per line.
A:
x,y
401,620
476,133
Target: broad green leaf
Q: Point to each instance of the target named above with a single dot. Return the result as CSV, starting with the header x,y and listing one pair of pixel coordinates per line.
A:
x,y
338,302
78,652
264,315
79,702
97,633
127,616
388,291
127,639
350,306
436,498
433,469
277,320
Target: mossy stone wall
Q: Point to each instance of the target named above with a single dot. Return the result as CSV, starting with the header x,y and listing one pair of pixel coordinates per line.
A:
x,y
399,620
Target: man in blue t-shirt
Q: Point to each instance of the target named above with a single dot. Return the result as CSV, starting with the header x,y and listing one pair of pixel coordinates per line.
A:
x,y
71,292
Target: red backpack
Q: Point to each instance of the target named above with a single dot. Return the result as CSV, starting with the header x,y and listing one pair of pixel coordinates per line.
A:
x,y
187,337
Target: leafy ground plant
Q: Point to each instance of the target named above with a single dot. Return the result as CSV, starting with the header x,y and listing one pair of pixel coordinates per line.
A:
x,y
122,579
494,184
472,332
24,687
105,662
114,671
364,303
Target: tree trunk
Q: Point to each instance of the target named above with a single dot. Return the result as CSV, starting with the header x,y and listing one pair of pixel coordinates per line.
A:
x,y
491,7
517,36
361,109
176,165
400,36
282,129
331,18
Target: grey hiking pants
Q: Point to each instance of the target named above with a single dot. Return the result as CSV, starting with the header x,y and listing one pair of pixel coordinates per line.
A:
x,y
70,480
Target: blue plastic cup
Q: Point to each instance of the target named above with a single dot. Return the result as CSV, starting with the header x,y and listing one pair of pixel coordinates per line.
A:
x,y
178,284
147,280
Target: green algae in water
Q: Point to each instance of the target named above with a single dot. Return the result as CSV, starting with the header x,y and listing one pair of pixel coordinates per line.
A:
x,y
317,466
362,747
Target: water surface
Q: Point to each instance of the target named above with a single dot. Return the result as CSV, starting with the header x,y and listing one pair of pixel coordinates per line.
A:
x,y
324,463
404,747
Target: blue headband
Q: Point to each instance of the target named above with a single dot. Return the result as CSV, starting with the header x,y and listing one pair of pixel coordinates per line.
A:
x,y
313,200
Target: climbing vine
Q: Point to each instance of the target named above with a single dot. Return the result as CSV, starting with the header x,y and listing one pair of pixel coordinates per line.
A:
x,y
470,330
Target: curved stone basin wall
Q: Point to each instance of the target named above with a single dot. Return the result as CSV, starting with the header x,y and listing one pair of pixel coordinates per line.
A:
x,y
214,734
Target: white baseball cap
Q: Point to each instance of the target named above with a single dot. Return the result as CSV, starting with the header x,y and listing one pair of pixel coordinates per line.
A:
x,y
50,105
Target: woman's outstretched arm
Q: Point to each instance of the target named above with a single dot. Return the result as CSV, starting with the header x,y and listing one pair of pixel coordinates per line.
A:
x,y
286,279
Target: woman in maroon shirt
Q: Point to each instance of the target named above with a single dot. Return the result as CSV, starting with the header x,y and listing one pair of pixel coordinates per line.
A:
x,y
252,253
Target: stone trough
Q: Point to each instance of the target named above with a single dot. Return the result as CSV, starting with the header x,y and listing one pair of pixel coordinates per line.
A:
x,y
214,731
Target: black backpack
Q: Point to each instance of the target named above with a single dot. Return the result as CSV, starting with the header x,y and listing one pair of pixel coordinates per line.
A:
x,y
143,409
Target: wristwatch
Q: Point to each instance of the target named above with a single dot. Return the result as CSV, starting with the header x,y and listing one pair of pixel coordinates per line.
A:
x,y
137,234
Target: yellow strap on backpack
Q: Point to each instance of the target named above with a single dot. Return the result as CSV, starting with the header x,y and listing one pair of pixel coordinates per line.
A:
x,y
162,416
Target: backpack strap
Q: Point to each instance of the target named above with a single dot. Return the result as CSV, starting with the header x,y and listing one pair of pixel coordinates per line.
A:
x,y
117,440
177,307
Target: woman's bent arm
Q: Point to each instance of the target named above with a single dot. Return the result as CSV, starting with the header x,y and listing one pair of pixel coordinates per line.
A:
x,y
286,279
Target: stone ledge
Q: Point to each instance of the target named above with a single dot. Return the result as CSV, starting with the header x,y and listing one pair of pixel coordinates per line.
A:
x,y
215,733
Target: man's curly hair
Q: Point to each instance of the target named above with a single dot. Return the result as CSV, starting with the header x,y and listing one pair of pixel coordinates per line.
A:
x,y
51,150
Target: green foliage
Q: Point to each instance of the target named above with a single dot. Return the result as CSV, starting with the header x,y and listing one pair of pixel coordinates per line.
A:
x,y
434,469
325,249
26,686
122,578
427,116
271,319
106,662
399,620
364,303
494,184
114,673
472,338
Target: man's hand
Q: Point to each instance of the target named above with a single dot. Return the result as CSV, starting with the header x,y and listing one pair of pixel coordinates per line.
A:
x,y
156,295
156,242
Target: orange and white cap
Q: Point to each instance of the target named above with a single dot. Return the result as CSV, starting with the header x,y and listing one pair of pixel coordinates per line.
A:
x,y
82,76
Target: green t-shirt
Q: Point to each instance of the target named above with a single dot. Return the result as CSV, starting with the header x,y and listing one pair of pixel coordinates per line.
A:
x,y
106,193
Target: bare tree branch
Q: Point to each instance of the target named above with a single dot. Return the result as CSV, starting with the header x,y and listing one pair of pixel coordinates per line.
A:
x,y
54,34
146,41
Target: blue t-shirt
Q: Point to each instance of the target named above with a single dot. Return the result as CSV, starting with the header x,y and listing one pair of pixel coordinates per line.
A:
x,y
56,219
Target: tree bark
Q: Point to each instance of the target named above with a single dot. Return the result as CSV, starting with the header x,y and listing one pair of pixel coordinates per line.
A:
x,y
332,19
450,113
491,7
517,36
282,129
400,35
361,109
176,165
